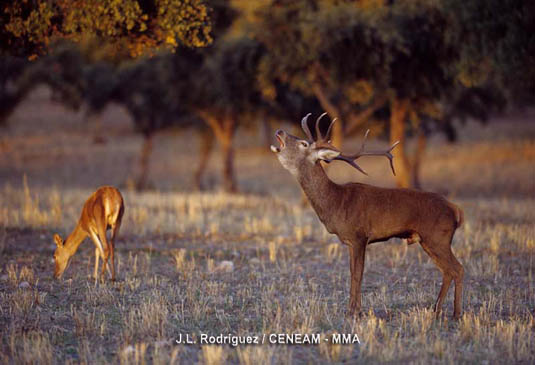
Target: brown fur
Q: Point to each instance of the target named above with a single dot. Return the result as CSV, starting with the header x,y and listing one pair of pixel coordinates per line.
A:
x,y
103,210
361,214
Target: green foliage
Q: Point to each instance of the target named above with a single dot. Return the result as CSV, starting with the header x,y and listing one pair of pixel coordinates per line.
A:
x,y
227,82
443,56
497,43
143,91
101,83
11,69
132,27
62,70
192,30
450,59
157,91
355,50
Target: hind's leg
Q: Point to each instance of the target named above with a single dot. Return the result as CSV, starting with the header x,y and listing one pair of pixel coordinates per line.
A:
x,y
103,252
97,255
114,232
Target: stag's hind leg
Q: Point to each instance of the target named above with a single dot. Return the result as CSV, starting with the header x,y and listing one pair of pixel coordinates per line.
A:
x,y
441,254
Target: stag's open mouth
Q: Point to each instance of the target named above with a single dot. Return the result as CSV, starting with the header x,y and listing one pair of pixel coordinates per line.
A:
x,y
278,134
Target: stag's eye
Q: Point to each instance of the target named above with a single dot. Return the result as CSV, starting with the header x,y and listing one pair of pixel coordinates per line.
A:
x,y
304,144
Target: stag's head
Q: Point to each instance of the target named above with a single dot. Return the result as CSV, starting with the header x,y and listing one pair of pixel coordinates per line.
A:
x,y
61,257
295,153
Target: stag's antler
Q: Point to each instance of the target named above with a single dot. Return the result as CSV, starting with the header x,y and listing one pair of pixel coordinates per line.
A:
x,y
323,141
320,139
304,125
350,159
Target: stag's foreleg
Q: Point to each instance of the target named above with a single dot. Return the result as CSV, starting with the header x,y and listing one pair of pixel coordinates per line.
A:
x,y
357,253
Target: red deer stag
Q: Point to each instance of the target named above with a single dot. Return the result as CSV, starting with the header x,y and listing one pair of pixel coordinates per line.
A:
x,y
361,214
104,209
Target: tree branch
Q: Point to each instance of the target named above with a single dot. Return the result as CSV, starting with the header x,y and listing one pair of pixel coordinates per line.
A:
x,y
356,120
326,104
212,122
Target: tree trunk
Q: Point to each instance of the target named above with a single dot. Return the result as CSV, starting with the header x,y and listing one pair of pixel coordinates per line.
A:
x,y
421,143
144,160
224,129
227,145
206,144
398,117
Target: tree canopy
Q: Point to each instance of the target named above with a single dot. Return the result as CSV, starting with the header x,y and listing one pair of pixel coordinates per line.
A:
x,y
410,67
497,43
126,27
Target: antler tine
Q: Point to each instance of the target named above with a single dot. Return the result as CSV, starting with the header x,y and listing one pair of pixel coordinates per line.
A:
x,y
387,154
391,157
362,146
304,125
351,158
364,140
327,135
350,161
319,136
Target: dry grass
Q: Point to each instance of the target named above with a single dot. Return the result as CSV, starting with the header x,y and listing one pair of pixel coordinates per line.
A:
x,y
254,264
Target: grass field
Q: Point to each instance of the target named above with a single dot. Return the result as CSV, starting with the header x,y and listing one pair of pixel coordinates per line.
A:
x,y
256,263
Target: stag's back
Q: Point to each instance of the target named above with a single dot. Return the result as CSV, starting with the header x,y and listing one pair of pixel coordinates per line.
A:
x,y
384,213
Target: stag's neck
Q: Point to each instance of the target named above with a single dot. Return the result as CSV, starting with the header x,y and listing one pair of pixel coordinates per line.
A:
x,y
322,193
74,239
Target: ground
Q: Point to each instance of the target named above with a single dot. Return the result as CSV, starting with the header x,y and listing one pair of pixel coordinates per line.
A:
x,y
258,262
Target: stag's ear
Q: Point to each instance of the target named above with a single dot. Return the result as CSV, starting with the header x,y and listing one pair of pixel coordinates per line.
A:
x,y
58,240
327,154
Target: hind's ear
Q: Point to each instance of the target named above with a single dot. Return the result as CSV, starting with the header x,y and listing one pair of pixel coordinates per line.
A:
x,y
58,240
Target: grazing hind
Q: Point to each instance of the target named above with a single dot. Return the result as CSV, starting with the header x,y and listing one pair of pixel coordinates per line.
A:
x,y
104,209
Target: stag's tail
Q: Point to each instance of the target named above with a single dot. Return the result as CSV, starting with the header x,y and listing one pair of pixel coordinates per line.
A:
x,y
459,214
